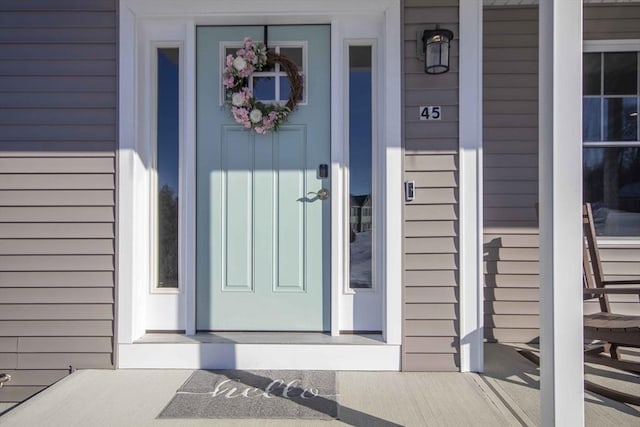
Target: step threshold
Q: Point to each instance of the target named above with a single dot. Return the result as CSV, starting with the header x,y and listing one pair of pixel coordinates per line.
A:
x,y
260,350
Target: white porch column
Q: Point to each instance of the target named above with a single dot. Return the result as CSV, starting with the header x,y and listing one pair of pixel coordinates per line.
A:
x,y
560,172
470,127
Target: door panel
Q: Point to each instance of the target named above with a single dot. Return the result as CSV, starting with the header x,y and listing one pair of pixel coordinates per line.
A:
x,y
263,243
237,160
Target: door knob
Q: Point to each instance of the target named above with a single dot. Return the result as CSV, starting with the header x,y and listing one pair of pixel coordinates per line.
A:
x,y
322,194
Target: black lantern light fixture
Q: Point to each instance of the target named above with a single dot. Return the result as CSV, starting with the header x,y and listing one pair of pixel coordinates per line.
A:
x,y
435,45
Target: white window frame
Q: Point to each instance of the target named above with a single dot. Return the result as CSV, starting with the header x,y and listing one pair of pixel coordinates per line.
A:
x,y
372,43
153,131
177,21
604,46
224,45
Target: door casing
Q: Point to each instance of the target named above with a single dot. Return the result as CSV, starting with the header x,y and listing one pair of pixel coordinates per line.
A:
x,y
146,21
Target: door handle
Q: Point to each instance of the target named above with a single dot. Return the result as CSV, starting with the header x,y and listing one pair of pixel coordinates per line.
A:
x,y
322,194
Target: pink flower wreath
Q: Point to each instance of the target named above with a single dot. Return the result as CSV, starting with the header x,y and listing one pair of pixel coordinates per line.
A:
x,y
245,108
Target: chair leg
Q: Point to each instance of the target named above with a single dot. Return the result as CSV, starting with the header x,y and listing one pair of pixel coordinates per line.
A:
x,y
614,351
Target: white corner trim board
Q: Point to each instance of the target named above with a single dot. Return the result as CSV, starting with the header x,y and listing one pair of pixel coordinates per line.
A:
x,y
471,229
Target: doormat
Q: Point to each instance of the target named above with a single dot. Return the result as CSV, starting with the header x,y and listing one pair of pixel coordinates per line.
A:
x,y
255,394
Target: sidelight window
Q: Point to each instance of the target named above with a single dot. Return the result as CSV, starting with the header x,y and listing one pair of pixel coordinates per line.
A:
x,y
360,162
167,165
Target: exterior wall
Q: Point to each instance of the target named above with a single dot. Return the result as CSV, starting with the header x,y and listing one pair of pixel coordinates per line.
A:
x,y
430,287
57,195
511,173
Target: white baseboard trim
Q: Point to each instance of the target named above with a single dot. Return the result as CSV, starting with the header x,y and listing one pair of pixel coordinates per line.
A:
x,y
259,356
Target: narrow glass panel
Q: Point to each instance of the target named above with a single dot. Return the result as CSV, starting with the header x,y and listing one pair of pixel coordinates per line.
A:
x,y
620,119
620,73
611,182
591,69
360,166
264,88
167,165
591,119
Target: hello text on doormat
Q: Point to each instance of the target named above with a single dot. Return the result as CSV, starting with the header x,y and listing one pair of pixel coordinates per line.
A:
x,y
255,394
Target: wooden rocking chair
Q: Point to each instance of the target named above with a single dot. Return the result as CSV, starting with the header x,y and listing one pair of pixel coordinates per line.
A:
x,y
612,330
609,329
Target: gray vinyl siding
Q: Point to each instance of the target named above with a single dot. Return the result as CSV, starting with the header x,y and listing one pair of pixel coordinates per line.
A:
x,y
57,190
511,173
430,288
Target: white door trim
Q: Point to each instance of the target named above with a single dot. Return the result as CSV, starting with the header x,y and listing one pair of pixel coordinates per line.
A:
x,y
181,18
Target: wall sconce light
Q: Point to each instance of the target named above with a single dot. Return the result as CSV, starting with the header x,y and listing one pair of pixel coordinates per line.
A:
x,y
436,44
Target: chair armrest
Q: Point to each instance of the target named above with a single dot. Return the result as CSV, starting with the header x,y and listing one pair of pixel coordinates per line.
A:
x,y
620,282
604,291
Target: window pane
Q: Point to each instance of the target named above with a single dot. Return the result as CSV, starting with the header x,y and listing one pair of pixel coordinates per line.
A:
x,y
294,54
620,73
611,182
360,165
591,70
620,119
591,119
264,88
270,67
227,51
167,165
285,88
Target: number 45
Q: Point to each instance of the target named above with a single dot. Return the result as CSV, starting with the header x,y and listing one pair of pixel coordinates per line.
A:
x,y
430,112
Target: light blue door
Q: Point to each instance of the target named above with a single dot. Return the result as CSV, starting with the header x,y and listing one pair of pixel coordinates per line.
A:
x,y
263,259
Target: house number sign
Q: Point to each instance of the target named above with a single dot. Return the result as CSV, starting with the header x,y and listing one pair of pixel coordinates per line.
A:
x,y
430,112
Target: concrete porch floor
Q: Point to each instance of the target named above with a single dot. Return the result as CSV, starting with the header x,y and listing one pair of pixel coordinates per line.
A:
x,y
506,394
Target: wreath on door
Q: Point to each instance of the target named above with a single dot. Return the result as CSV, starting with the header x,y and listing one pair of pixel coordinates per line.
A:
x,y
245,108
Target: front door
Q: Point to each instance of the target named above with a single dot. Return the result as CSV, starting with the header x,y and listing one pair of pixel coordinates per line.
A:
x,y
263,259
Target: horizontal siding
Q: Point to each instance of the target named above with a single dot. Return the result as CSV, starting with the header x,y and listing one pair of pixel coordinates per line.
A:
x,y
57,214
57,165
57,181
49,230
39,311
51,148
53,328
56,295
53,197
433,362
8,344
430,341
57,189
56,262
611,22
511,174
55,279
55,246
